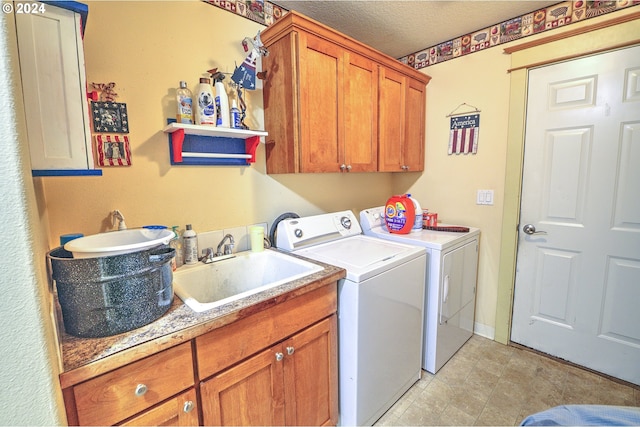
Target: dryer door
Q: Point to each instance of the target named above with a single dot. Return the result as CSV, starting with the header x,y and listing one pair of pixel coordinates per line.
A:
x,y
457,301
458,281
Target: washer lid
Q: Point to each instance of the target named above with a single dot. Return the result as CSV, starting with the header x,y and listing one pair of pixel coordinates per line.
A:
x,y
362,256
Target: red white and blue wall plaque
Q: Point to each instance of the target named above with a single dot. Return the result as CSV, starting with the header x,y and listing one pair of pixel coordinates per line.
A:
x,y
464,133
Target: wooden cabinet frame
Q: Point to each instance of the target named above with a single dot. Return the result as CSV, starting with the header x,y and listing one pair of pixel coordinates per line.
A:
x,y
326,103
301,388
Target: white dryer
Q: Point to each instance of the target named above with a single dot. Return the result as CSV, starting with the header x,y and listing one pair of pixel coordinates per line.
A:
x,y
380,309
451,276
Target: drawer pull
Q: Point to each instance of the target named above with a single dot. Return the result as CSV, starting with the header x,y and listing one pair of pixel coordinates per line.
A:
x,y
290,350
141,389
188,406
279,356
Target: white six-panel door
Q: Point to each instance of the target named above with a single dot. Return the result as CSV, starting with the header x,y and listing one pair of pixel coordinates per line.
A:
x,y
577,292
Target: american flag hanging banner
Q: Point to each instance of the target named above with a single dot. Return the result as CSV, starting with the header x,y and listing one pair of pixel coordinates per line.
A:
x,y
464,133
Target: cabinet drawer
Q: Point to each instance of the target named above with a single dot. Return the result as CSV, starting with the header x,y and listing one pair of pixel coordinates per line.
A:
x,y
181,410
121,393
230,344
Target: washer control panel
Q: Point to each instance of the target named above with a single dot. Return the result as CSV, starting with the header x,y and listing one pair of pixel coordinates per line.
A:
x,y
372,218
312,230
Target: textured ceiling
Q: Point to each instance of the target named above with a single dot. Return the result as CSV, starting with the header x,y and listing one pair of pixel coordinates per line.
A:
x,y
399,28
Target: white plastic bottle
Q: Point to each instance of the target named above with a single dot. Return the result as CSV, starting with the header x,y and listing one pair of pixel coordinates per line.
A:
x,y
235,116
190,239
206,111
417,225
222,106
185,104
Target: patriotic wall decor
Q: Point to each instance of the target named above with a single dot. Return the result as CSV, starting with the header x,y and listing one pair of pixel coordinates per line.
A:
x,y
464,134
113,150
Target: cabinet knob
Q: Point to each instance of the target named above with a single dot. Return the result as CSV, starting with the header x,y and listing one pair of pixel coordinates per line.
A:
x,y
343,167
141,389
279,356
348,167
188,406
290,350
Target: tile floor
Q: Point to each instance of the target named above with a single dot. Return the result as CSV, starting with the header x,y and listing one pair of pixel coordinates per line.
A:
x,y
487,383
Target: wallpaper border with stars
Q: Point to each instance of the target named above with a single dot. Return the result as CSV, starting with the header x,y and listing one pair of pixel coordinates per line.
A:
x,y
534,22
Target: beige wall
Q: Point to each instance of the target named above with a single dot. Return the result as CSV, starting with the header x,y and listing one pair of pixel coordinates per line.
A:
x,y
449,184
151,52
146,48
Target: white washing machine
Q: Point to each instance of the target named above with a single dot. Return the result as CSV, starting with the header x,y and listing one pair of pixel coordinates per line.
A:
x,y
451,276
380,309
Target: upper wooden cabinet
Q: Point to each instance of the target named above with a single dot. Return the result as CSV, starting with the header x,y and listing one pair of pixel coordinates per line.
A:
x,y
326,105
402,117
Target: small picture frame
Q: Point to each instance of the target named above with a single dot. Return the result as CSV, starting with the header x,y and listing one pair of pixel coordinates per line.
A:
x,y
110,117
113,150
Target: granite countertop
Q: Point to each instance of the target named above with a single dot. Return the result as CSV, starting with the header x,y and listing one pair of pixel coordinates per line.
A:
x,y
86,357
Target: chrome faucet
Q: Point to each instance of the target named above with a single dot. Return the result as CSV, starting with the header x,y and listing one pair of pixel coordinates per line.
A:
x,y
228,248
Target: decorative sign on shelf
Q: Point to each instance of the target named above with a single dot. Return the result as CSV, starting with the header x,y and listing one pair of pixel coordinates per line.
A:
x,y
464,131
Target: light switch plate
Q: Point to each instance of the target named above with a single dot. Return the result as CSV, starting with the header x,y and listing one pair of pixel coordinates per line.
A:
x,y
484,197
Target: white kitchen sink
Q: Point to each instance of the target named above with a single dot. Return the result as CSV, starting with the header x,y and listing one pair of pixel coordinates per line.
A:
x,y
206,286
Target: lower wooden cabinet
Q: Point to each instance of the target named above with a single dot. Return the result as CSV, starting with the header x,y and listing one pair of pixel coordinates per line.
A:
x,y
277,366
291,383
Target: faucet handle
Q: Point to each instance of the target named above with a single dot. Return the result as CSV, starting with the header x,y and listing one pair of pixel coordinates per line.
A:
x,y
228,248
207,255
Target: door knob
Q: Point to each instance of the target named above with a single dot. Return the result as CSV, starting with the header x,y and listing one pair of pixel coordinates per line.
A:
x,y
531,229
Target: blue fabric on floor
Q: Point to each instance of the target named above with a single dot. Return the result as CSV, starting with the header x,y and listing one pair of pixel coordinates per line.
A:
x,y
585,415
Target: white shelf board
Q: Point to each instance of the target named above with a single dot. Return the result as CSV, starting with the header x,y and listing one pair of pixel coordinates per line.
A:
x,y
202,130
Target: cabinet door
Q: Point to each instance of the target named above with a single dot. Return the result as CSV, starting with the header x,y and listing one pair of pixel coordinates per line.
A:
x,y
321,101
311,375
360,113
413,148
281,112
54,89
250,393
182,410
391,131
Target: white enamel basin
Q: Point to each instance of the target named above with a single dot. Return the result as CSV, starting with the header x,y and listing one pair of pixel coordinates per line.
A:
x,y
206,286
118,242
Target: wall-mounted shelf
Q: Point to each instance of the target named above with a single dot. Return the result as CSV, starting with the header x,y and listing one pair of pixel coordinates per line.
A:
x,y
210,145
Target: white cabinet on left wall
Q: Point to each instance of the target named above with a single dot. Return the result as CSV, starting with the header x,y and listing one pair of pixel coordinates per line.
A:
x,y
54,90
